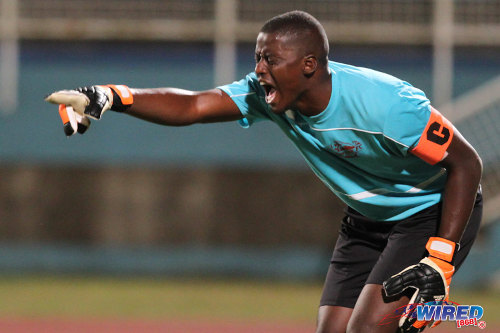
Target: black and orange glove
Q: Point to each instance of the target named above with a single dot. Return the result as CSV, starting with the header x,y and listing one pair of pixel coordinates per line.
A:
x,y
430,279
73,122
77,105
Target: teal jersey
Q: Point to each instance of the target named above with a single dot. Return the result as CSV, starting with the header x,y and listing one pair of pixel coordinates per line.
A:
x,y
359,146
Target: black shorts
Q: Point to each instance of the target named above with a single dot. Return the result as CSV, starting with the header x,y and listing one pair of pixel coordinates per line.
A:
x,y
369,252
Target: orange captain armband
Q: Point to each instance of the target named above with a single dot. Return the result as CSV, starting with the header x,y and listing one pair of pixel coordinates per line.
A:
x,y
441,248
122,97
435,139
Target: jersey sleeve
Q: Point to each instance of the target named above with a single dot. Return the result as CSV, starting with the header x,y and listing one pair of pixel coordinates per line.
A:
x,y
406,118
435,138
249,97
417,128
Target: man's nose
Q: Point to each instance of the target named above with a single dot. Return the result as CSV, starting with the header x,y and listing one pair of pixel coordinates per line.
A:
x,y
260,68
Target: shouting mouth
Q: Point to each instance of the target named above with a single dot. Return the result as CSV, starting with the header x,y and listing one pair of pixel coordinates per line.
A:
x,y
270,92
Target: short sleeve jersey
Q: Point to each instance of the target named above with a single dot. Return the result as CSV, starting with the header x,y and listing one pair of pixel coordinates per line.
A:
x,y
359,146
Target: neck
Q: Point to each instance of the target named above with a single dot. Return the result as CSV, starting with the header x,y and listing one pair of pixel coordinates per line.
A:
x,y
316,97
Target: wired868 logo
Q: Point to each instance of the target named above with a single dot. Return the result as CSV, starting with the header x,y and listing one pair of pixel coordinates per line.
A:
x,y
463,315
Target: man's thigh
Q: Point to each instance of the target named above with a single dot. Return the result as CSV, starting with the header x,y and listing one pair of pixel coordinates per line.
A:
x,y
370,315
355,254
373,315
370,250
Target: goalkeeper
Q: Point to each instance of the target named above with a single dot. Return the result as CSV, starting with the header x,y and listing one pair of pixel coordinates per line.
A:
x,y
409,179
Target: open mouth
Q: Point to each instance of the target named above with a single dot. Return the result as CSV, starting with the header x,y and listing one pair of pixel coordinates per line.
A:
x,y
270,92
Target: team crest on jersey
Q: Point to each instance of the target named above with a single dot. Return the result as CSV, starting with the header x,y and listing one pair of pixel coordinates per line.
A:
x,y
346,149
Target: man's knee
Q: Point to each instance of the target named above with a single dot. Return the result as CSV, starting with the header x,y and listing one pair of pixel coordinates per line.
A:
x,y
360,327
333,319
372,314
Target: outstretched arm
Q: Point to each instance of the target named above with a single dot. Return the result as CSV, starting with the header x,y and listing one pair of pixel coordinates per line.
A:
x,y
177,107
166,106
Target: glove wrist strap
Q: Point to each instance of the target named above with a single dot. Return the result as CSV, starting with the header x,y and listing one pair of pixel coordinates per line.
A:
x,y
122,97
442,248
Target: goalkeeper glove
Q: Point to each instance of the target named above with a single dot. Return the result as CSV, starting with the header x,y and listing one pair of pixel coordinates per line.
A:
x,y
72,121
430,279
89,102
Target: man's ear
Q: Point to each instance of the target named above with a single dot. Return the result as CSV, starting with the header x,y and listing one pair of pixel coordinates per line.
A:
x,y
310,65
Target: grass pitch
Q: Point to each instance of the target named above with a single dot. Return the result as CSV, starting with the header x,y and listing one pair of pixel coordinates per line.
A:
x,y
163,299
143,298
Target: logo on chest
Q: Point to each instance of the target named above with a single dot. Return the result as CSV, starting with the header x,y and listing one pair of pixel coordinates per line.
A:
x,y
346,149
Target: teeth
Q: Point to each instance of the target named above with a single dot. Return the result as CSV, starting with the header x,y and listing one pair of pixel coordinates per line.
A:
x,y
270,96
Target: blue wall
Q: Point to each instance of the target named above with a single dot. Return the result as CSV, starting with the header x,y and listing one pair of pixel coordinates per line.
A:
x,y
34,133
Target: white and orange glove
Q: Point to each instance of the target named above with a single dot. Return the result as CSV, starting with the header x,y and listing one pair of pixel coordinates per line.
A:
x,y
78,105
430,279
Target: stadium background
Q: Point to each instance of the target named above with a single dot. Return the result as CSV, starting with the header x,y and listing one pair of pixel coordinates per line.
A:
x,y
132,200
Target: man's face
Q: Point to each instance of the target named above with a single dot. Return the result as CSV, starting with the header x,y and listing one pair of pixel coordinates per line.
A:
x,y
279,68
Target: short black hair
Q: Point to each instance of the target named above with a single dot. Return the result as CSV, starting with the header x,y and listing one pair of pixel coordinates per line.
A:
x,y
299,23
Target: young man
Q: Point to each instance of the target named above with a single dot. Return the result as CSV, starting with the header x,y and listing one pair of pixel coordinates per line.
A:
x,y
409,179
